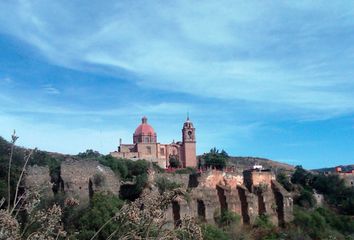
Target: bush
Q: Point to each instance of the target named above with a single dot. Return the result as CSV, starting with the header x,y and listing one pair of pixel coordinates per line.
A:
x,y
305,199
302,177
89,153
174,162
284,181
187,170
133,191
228,218
335,191
343,224
102,208
157,168
263,221
311,222
211,232
164,184
118,166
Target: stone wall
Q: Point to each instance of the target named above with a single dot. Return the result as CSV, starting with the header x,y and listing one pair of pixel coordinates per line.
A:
x,y
82,178
218,191
348,178
37,178
254,178
79,179
249,195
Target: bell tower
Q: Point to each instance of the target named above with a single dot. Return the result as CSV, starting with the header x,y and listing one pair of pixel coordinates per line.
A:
x,y
189,156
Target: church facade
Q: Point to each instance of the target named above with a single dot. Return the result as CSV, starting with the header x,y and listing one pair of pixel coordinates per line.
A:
x,y
145,146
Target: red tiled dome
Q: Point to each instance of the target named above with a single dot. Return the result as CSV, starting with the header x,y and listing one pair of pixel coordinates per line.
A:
x,y
144,128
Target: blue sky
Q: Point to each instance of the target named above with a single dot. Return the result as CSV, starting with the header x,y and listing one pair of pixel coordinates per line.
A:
x,y
267,79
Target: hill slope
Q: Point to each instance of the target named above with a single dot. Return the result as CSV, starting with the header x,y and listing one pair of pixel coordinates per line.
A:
x,y
247,162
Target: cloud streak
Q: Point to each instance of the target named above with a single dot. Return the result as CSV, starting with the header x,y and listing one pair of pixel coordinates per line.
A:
x,y
295,56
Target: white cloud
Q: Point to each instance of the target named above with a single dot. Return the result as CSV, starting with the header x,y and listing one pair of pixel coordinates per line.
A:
x,y
282,56
49,89
50,137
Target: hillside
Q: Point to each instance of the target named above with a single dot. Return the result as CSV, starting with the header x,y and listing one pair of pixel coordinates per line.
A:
x,y
310,218
247,162
345,168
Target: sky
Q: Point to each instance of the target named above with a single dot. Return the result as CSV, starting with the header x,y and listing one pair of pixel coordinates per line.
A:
x,y
272,79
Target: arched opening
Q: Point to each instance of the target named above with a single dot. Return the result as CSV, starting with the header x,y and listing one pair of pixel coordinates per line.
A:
x,y
193,180
222,199
201,210
90,189
244,205
280,207
261,205
176,213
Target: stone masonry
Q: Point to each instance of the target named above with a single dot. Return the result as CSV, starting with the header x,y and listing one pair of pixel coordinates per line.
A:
x,y
249,195
82,178
79,179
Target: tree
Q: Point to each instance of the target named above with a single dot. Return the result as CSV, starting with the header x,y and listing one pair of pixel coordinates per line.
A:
x,y
89,153
215,159
102,208
302,177
284,181
174,162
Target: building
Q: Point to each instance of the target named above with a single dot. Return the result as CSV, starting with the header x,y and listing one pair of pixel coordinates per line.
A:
x,y
347,176
145,146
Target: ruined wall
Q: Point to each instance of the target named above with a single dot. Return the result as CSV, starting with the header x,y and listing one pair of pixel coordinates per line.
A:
x,y
348,178
79,179
182,179
254,178
37,178
82,178
217,191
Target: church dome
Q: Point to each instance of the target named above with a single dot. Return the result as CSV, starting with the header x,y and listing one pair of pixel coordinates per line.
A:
x,y
144,128
144,132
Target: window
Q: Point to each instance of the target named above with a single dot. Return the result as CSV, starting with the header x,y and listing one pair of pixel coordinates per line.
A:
x,y
162,151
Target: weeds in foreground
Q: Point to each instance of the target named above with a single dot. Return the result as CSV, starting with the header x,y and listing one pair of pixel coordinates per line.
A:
x,y
48,220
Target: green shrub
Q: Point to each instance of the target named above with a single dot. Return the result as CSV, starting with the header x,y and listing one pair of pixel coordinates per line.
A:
x,y
227,218
118,166
187,170
211,232
263,221
133,191
215,159
164,184
174,162
157,168
89,154
343,224
311,222
305,199
102,208
284,181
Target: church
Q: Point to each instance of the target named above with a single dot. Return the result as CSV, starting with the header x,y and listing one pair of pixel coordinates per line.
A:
x,y
145,146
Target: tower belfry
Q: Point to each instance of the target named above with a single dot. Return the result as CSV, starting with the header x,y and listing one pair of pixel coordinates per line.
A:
x,y
189,158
